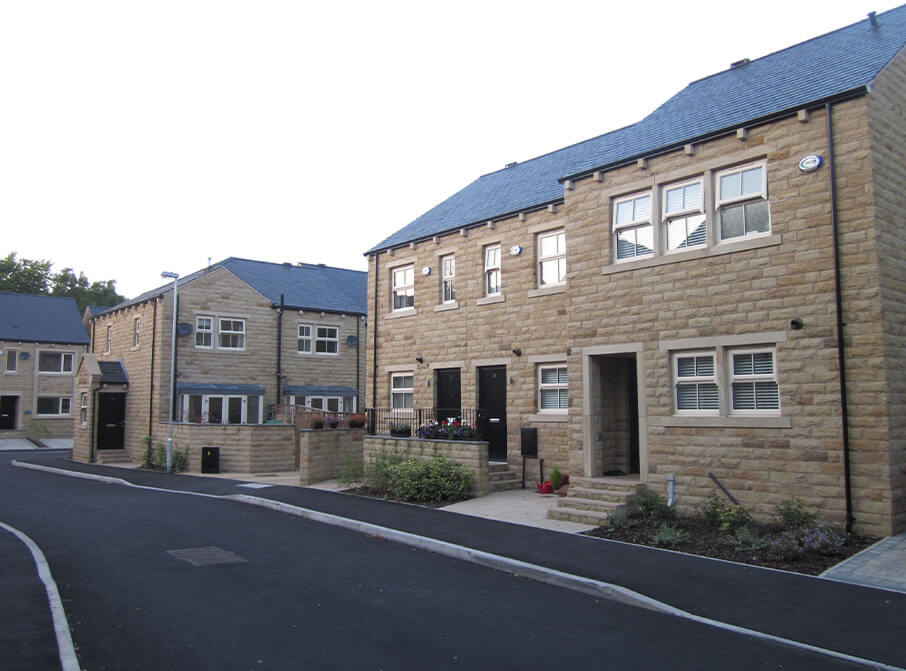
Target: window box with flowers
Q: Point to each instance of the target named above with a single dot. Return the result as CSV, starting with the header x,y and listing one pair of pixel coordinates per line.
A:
x,y
447,431
400,430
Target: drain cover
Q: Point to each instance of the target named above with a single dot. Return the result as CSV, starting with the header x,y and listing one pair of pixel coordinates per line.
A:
x,y
207,556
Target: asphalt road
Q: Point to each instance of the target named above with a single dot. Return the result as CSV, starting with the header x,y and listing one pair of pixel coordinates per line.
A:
x,y
296,594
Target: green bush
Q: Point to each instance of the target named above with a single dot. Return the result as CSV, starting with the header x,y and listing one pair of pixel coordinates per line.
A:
x,y
667,535
621,518
652,506
746,538
556,478
148,459
352,473
418,481
792,515
377,473
726,516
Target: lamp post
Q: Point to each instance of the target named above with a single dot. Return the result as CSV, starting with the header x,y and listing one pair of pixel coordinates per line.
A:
x,y
174,277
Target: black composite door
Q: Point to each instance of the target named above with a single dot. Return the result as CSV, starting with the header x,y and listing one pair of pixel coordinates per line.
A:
x,y
447,390
8,412
492,400
111,415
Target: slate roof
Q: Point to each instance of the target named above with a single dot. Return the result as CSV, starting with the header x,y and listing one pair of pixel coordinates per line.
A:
x,y
314,390
304,286
38,318
843,62
112,372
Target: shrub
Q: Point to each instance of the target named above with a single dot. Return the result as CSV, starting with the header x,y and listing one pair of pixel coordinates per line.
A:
x,y
667,535
785,546
556,478
180,460
827,541
377,473
791,515
746,538
652,506
621,518
148,458
418,481
726,516
353,472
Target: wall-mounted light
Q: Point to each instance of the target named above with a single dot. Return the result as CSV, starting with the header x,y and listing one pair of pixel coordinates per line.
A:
x,y
517,351
796,324
420,359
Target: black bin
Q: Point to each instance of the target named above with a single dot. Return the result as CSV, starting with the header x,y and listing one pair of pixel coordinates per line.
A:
x,y
210,460
529,441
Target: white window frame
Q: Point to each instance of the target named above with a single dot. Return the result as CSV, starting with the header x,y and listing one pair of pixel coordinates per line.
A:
x,y
204,327
686,213
558,257
448,278
326,340
225,408
752,378
83,408
697,380
722,204
231,333
560,386
635,223
304,339
12,357
402,392
63,403
108,343
64,357
492,269
402,285
136,332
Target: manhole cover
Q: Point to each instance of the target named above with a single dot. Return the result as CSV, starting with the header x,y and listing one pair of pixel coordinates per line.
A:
x,y
207,556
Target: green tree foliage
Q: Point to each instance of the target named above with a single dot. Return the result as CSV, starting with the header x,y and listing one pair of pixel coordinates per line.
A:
x,y
25,276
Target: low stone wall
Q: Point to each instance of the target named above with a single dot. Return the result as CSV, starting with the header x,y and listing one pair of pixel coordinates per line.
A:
x,y
471,454
244,448
324,452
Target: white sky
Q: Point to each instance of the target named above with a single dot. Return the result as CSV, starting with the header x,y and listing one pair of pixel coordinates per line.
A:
x,y
137,137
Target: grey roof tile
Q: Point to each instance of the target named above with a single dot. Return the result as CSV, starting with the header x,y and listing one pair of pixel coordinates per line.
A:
x,y
38,318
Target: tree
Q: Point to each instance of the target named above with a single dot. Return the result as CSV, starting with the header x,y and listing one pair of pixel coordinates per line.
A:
x,y
34,277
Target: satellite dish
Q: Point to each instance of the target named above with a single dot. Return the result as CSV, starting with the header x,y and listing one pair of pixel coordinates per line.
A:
x,y
184,328
352,340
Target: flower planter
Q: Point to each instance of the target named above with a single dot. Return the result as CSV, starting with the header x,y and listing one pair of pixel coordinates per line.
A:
x,y
401,433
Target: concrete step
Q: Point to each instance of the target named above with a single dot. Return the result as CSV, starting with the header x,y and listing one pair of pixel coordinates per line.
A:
x,y
498,467
615,484
591,518
113,457
505,485
596,505
612,496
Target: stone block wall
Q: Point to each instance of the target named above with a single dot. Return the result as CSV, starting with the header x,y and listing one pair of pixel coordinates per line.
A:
x,y
243,448
473,455
324,453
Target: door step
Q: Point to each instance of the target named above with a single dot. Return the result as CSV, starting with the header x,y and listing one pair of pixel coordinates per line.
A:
x,y
502,478
591,500
109,457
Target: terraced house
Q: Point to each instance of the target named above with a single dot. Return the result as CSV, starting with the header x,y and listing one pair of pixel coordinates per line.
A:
x,y
253,338
715,292
41,341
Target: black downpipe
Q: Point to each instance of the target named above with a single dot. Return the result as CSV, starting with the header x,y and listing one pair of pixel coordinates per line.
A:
x,y
374,348
841,357
151,384
280,348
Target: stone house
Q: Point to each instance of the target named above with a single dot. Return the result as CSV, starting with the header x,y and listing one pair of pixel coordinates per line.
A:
x,y
251,338
41,342
715,292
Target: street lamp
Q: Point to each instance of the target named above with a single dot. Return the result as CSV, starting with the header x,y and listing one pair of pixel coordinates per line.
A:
x,y
174,277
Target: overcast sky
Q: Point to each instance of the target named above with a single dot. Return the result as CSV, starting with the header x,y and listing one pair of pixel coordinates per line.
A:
x,y
137,137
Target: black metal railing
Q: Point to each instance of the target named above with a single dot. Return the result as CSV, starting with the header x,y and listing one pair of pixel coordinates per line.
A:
x,y
408,421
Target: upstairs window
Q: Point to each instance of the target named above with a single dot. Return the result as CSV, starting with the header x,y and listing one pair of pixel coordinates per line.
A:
x,y
55,362
108,343
742,205
684,218
448,279
492,270
553,392
696,383
12,360
552,258
327,340
204,332
303,344
403,287
232,334
136,332
632,227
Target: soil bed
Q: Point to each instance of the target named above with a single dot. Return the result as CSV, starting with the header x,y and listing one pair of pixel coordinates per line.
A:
x,y
709,541
378,494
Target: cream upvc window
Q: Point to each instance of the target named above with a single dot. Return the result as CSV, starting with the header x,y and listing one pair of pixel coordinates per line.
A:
x,y
403,288
552,258
136,332
553,389
55,362
632,230
753,382
742,201
220,409
726,381
12,360
448,279
204,332
685,223
303,342
492,280
53,405
83,409
695,383
327,339
402,391
108,343
231,333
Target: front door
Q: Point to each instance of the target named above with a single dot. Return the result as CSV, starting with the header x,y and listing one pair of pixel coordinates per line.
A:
x,y
447,393
111,419
492,401
8,412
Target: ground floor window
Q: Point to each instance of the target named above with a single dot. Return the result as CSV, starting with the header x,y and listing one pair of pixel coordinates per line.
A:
x,y
326,403
402,391
54,405
220,409
726,381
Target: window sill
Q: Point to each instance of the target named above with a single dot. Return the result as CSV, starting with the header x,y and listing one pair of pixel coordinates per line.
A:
x,y
735,421
408,312
443,307
552,417
547,291
489,300
728,247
